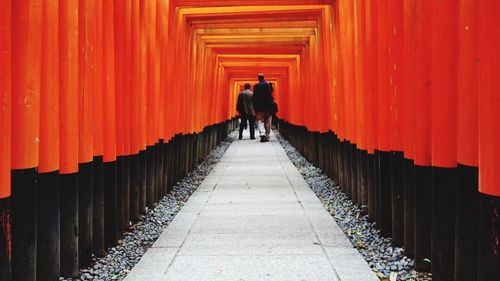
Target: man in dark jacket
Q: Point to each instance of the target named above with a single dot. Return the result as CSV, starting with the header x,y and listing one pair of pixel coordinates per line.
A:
x,y
263,103
245,108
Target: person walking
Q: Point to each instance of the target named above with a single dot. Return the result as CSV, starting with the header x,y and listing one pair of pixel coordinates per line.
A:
x,y
245,108
263,104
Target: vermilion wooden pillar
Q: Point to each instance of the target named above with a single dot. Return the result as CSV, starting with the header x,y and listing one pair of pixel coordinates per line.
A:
x,y
489,105
48,233
68,125
422,159
26,45
5,137
467,141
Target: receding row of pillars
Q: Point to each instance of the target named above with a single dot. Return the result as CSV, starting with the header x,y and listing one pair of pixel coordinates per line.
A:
x,y
436,214
57,222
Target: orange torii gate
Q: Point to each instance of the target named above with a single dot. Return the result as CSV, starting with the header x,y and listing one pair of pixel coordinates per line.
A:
x,y
104,104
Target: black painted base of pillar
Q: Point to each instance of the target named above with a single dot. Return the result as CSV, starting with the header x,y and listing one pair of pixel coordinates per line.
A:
x,y
142,181
409,207
5,240
397,198
85,213
423,199
126,193
371,186
466,224
110,205
98,207
489,238
150,176
363,181
159,170
134,188
120,196
353,151
69,224
384,210
24,224
48,233
168,167
444,186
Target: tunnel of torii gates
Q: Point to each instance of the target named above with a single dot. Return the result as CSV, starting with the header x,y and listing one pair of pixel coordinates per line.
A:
x,y
106,104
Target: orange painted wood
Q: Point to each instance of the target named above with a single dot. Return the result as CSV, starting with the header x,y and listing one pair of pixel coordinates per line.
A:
x,y
151,106
371,97
468,87
98,109
408,86
422,80
443,85
108,85
127,78
134,79
142,90
119,47
49,93
87,78
26,76
5,94
384,33
395,65
489,97
68,86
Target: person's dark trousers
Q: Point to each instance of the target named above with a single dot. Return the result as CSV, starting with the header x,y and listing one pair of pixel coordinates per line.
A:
x,y
251,123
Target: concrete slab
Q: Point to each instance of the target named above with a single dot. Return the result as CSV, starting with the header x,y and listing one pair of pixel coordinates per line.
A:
x,y
291,209
251,224
253,218
259,243
157,258
349,264
255,268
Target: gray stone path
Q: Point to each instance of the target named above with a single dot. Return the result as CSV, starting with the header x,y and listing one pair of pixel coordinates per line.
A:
x,y
253,218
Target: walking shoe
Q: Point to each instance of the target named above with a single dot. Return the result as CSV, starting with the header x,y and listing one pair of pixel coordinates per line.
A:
x,y
240,137
262,138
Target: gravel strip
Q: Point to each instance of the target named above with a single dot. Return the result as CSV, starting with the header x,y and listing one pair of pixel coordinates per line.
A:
x,y
119,260
383,258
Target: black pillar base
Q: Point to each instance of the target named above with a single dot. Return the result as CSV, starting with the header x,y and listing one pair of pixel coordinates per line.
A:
x,y
489,238
120,187
110,205
142,181
466,225
134,188
397,198
5,240
69,225
347,168
98,207
384,210
423,199
353,171
85,209
150,176
444,186
24,224
48,233
126,192
372,214
409,207
159,170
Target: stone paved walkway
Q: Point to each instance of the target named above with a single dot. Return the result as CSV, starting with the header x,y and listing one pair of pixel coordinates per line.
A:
x,y
253,218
